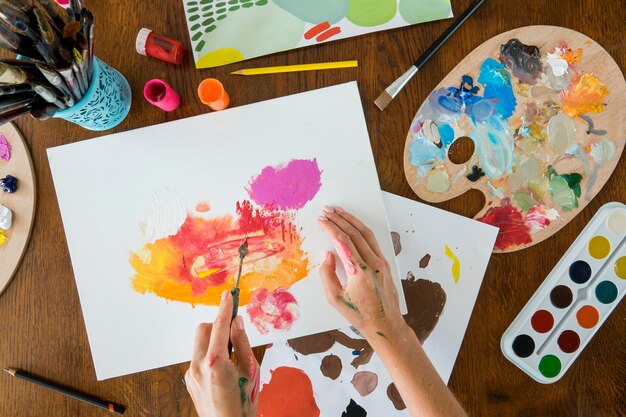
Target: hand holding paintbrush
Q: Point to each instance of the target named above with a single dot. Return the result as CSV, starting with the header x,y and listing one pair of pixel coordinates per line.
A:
x,y
243,251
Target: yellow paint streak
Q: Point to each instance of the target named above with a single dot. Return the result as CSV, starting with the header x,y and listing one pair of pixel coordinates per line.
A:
x,y
456,264
3,237
584,95
219,57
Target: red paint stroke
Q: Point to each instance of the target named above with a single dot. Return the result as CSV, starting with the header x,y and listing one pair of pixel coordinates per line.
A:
x,y
286,187
5,148
212,360
316,30
346,258
329,33
288,394
513,229
275,310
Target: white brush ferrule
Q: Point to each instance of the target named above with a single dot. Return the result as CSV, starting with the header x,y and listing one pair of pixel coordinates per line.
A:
x,y
399,84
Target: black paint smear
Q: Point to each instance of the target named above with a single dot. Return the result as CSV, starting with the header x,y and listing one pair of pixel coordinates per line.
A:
x,y
354,410
476,174
523,60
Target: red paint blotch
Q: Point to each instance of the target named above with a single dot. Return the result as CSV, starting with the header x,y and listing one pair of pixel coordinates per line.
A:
x,y
288,394
513,230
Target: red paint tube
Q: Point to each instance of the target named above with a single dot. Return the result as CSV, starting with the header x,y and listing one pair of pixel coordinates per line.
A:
x,y
157,46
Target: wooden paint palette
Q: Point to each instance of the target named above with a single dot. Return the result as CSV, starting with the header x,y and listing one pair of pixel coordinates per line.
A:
x,y
21,203
544,117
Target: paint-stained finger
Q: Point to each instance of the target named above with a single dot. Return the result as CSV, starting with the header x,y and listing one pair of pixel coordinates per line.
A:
x,y
362,245
346,250
201,341
367,233
245,357
218,345
330,280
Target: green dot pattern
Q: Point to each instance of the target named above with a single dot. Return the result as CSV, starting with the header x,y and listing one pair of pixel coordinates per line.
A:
x,y
550,366
214,10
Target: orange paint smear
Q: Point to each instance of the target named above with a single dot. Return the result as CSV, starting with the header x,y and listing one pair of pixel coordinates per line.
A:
x,y
203,207
316,30
328,34
584,95
200,261
288,394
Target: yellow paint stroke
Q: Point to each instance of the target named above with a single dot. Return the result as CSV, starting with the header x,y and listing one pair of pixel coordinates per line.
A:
x,y
584,95
3,237
456,264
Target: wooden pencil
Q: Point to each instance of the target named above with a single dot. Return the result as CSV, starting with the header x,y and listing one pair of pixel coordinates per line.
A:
x,y
294,68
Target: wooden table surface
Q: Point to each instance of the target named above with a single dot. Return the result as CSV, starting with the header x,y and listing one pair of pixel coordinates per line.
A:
x,y
41,323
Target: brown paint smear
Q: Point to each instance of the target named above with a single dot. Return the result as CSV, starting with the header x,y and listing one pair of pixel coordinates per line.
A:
x,y
395,398
397,244
424,261
322,342
331,366
425,301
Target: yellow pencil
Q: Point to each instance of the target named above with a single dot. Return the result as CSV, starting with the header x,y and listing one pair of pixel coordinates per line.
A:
x,y
294,68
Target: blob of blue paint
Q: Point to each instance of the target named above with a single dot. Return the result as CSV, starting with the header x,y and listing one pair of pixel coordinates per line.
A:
x,y
356,352
424,154
9,184
446,133
496,82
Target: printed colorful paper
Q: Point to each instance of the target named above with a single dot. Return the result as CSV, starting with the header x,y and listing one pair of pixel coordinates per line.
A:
x,y
227,31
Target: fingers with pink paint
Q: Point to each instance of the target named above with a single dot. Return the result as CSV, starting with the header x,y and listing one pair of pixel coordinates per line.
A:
x,y
369,302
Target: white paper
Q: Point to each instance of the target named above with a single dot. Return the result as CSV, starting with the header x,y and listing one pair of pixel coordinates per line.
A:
x,y
106,188
423,230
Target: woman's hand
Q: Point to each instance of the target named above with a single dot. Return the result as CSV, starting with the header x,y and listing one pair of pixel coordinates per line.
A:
x,y
369,299
218,387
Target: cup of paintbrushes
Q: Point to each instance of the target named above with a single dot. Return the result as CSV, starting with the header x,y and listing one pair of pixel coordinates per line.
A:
x,y
106,102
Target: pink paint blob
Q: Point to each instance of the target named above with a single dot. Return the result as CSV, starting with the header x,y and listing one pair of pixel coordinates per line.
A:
x,y
5,148
275,310
346,258
286,187
537,218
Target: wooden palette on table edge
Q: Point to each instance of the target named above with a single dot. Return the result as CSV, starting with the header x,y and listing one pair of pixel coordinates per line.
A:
x,y
595,60
21,203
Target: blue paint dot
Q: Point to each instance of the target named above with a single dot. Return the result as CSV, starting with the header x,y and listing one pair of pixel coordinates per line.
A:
x,y
356,352
8,184
446,133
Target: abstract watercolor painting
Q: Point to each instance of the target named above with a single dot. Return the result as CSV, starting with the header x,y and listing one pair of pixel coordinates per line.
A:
x,y
337,373
154,219
217,38
544,118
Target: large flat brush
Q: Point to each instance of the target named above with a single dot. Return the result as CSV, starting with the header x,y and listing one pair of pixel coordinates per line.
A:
x,y
392,91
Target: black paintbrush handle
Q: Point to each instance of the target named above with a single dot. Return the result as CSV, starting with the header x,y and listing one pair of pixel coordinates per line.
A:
x,y
445,35
235,293
70,393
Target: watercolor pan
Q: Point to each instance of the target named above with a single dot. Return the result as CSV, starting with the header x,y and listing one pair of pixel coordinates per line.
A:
x,y
573,302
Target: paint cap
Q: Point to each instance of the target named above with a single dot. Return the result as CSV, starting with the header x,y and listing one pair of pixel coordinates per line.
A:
x,y
159,93
142,41
211,92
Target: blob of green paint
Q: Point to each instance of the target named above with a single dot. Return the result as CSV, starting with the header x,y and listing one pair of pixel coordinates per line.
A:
x,y
550,366
348,304
417,11
242,390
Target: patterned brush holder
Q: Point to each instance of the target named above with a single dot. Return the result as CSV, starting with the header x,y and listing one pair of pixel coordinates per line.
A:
x,y
106,103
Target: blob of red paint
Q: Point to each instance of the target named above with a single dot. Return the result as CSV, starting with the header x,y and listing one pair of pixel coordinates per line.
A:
x,y
288,394
513,229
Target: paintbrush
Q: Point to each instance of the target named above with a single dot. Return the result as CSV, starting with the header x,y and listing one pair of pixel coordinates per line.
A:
x,y
243,251
43,112
56,80
14,114
49,95
392,91
16,101
52,12
24,6
14,89
68,75
12,75
78,59
47,34
17,20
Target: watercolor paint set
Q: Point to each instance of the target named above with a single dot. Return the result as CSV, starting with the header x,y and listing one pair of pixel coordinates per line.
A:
x,y
576,298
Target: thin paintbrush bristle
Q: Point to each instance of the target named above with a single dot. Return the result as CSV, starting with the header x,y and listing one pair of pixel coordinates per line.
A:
x,y
383,100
